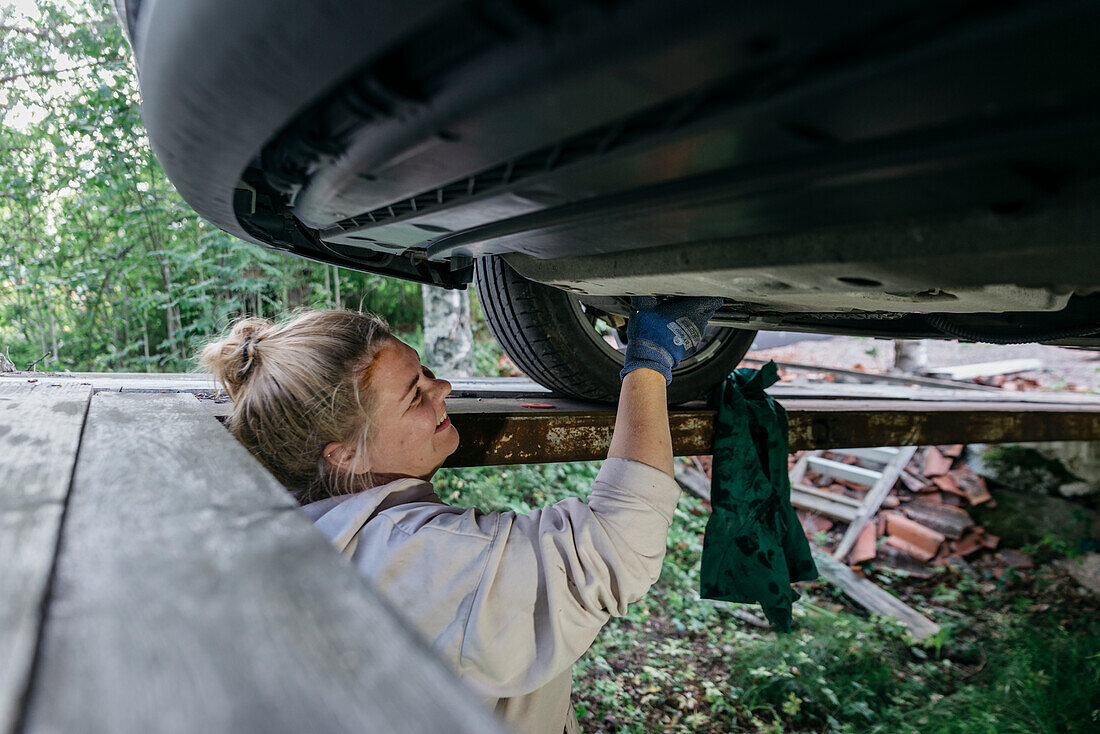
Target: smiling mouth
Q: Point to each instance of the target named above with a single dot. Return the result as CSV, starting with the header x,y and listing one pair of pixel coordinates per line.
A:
x,y
443,423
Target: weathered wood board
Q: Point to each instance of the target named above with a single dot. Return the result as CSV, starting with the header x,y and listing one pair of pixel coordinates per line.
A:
x,y
39,435
190,595
873,598
202,383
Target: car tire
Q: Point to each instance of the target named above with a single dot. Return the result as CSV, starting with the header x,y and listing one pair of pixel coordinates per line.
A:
x,y
546,333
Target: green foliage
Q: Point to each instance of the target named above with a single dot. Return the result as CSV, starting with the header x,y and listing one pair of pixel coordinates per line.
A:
x,y
520,488
1036,679
486,352
103,266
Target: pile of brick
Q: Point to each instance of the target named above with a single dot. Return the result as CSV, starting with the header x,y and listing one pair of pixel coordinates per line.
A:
x,y
924,519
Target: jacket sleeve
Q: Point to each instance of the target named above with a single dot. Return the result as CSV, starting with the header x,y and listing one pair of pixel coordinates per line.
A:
x,y
555,576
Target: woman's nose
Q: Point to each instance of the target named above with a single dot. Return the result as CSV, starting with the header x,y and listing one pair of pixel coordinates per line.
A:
x,y
443,387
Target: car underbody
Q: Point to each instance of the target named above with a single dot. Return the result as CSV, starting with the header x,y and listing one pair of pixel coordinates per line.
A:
x,y
905,169
874,278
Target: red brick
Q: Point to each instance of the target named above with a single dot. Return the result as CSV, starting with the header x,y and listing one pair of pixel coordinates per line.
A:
x,y
951,521
948,483
972,485
813,524
912,549
865,547
968,544
894,557
927,539
935,463
914,482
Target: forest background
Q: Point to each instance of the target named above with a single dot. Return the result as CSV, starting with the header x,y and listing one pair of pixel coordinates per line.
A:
x,y
103,266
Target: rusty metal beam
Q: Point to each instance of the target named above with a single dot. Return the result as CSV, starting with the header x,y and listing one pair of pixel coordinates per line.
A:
x,y
514,421
503,431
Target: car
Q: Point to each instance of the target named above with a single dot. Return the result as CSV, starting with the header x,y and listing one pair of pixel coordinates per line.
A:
x,y
880,168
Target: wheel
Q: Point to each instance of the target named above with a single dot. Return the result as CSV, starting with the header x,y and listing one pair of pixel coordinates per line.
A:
x,y
571,349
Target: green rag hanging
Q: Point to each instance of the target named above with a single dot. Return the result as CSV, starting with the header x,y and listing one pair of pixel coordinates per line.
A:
x,y
754,546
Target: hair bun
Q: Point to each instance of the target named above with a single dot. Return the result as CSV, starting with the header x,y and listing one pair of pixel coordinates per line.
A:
x,y
232,359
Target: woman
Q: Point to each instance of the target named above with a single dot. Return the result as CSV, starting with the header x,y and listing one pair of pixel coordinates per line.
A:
x,y
344,414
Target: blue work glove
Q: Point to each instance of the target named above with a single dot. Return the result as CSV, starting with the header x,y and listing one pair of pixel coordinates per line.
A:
x,y
662,332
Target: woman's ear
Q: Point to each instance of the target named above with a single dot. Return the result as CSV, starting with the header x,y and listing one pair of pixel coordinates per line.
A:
x,y
342,457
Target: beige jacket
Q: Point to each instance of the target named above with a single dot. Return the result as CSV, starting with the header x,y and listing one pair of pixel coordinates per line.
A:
x,y
510,601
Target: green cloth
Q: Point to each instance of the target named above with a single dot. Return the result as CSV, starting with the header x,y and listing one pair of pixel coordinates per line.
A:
x,y
754,546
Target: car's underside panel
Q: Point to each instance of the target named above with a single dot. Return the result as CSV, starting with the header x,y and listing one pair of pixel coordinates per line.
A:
x,y
728,123
1032,273
850,165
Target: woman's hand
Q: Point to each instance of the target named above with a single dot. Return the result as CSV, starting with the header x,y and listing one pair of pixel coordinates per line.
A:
x,y
661,332
659,336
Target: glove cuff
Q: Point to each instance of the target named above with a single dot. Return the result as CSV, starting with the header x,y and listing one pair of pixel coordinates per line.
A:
x,y
643,353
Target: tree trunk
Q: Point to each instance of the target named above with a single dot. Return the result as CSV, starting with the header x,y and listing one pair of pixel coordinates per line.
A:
x,y
53,332
145,342
910,356
297,294
448,337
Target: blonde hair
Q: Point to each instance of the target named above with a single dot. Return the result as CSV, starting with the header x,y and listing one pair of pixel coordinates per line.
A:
x,y
298,386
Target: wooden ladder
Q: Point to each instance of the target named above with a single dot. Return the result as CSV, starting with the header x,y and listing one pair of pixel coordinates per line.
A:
x,y
853,511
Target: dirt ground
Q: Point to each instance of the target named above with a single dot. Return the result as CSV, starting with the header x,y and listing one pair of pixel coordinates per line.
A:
x,y
1063,368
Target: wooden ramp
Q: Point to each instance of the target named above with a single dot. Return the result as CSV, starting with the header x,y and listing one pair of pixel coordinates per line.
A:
x,y
157,579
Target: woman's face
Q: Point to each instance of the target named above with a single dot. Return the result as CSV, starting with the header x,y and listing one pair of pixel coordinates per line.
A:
x,y
412,433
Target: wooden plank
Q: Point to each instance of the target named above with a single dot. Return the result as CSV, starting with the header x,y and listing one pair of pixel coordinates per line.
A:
x,y
519,387
873,598
822,505
840,470
39,436
834,391
192,596
129,381
798,471
987,369
872,377
874,499
877,454
692,479
203,383
825,494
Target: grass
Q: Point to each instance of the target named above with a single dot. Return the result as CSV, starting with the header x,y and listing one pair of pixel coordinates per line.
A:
x,y
1002,662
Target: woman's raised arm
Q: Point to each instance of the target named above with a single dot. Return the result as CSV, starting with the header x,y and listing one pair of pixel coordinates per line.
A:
x,y
659,336
641,422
